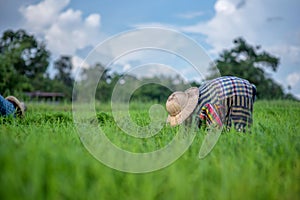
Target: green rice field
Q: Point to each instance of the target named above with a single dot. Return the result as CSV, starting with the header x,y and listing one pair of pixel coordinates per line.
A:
x,y
42,157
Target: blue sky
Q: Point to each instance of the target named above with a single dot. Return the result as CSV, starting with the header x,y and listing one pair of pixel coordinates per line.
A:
x,y
75,27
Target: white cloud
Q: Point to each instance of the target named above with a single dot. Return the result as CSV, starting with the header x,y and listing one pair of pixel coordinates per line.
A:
x,y
293,79
68,18
225,7
273,24
251,21
65,30
229,23
93,20
70,32
290,53
41,15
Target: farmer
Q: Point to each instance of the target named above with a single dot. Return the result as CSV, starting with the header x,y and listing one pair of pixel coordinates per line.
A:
x,y
11,106
223,101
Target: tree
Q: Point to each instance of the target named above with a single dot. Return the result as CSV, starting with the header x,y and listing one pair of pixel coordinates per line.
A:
x,y
249,62
64,68
63,79
158,88
128,86
22,59
88,78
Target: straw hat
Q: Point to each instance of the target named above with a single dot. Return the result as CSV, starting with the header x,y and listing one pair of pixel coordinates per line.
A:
x,y
180,105
20,106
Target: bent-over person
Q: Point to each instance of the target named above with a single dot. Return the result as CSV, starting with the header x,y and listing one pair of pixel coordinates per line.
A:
x,y
11,106
225,101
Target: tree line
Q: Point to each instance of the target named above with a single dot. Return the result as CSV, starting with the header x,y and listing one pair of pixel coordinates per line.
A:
x,y
24,63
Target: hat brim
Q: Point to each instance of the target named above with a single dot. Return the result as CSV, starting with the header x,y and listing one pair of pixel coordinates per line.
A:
x,y
19,105
193,95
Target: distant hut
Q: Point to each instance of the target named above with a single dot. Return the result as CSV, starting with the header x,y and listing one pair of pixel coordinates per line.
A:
x,y
45,96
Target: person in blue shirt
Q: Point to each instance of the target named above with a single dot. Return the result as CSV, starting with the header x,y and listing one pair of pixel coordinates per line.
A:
x,y
11,106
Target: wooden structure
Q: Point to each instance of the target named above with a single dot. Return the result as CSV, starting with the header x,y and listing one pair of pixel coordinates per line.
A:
x,y
45,96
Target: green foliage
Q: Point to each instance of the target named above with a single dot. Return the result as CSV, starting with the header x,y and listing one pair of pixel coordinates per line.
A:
x,y
63,80
64,68
151,92
249,62
156,88
97,73
22,59
24,62
42,158
23,65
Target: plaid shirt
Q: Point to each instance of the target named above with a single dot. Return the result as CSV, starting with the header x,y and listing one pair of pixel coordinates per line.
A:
x,y
232,95
216,90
